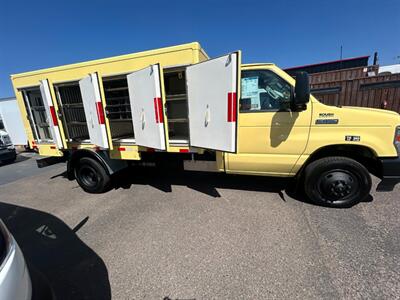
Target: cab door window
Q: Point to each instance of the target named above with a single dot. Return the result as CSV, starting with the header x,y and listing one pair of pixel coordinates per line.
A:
x,y
263,90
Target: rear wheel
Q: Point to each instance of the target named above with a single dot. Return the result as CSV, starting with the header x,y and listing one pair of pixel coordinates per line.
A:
x,y
91,176
337,182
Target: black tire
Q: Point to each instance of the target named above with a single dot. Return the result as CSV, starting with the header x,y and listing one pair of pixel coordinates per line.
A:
x,y
10,160
337,182
92,176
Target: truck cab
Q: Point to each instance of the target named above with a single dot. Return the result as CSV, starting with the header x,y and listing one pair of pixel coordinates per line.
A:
x,y
332,148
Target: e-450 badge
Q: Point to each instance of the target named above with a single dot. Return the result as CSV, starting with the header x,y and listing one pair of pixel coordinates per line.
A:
x,y
352,138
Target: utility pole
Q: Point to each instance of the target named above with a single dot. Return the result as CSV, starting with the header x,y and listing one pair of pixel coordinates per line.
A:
x,y
375,58
341,56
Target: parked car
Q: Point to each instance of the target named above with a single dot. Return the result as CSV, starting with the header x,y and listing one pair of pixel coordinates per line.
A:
x,y
7,149
15,281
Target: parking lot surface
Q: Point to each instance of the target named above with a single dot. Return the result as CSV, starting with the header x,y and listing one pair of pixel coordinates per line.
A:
x,y
24,166
201,236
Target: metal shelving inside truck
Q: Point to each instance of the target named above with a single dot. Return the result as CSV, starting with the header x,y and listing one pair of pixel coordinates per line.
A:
x,y
175,104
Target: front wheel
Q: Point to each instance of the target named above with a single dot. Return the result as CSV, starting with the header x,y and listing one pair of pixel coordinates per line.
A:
x,y
337,182
91,176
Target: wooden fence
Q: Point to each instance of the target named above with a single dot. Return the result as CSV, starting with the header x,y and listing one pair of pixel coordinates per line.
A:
x,y
357,87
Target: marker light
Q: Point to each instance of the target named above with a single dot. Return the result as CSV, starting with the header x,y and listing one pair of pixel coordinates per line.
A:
x,y
397,139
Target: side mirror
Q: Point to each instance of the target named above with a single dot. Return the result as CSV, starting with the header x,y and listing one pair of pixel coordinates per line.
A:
x,y
301,90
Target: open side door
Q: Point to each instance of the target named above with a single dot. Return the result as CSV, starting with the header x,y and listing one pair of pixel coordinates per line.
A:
x,y
94,111
51,113
213,88
147,107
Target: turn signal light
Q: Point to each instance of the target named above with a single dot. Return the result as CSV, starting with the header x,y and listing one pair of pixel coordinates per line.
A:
x,y
397,140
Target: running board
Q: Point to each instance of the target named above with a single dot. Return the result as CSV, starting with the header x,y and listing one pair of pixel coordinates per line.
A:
x,y
200,165
49,160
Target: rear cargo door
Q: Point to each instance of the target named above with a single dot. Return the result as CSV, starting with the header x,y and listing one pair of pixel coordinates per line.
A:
x,y
94,111
51,113
147,107
213,87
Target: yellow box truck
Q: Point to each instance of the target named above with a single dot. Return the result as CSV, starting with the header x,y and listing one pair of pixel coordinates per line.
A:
x,y
177,104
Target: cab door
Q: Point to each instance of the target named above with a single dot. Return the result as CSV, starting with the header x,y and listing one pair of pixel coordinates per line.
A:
x,y
51,113
212,88
94,111
271,135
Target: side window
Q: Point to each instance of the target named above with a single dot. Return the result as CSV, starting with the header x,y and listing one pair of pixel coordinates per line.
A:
x,y
263,90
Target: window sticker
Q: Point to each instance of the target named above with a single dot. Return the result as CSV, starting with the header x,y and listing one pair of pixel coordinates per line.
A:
x,y
250,91
249,87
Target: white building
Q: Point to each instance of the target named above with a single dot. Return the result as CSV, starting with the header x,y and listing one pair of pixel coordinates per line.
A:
x,y
392,69
10,117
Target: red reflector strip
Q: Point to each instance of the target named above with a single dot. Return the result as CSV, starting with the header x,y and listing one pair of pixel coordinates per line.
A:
x,y
121,149
53,115
100,112
184,150
52,147
151,150
398,138
232,107
158,110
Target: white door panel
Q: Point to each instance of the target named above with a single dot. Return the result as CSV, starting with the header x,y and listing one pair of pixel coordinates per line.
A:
x,y
51,113
147,107
212,101
94,111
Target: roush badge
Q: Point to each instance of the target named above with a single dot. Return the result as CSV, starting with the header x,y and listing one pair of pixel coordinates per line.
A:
x,y
352,138
327,121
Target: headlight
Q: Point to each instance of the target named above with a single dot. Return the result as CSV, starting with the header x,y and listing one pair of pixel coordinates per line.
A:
x,y
7,139
397,139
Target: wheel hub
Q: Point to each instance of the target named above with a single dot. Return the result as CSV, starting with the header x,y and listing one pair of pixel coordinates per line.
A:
x,y
88,176
338,184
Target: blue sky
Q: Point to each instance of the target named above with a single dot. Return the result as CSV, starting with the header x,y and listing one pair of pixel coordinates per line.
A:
x,y
40,34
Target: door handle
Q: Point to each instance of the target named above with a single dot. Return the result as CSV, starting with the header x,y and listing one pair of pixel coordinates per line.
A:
x,y
207,116
142,118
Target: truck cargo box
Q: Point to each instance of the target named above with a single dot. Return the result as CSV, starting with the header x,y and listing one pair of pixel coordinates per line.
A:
x,y
87,105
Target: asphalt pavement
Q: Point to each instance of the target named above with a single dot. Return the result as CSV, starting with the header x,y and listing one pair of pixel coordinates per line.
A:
x,y
201,236
24,166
